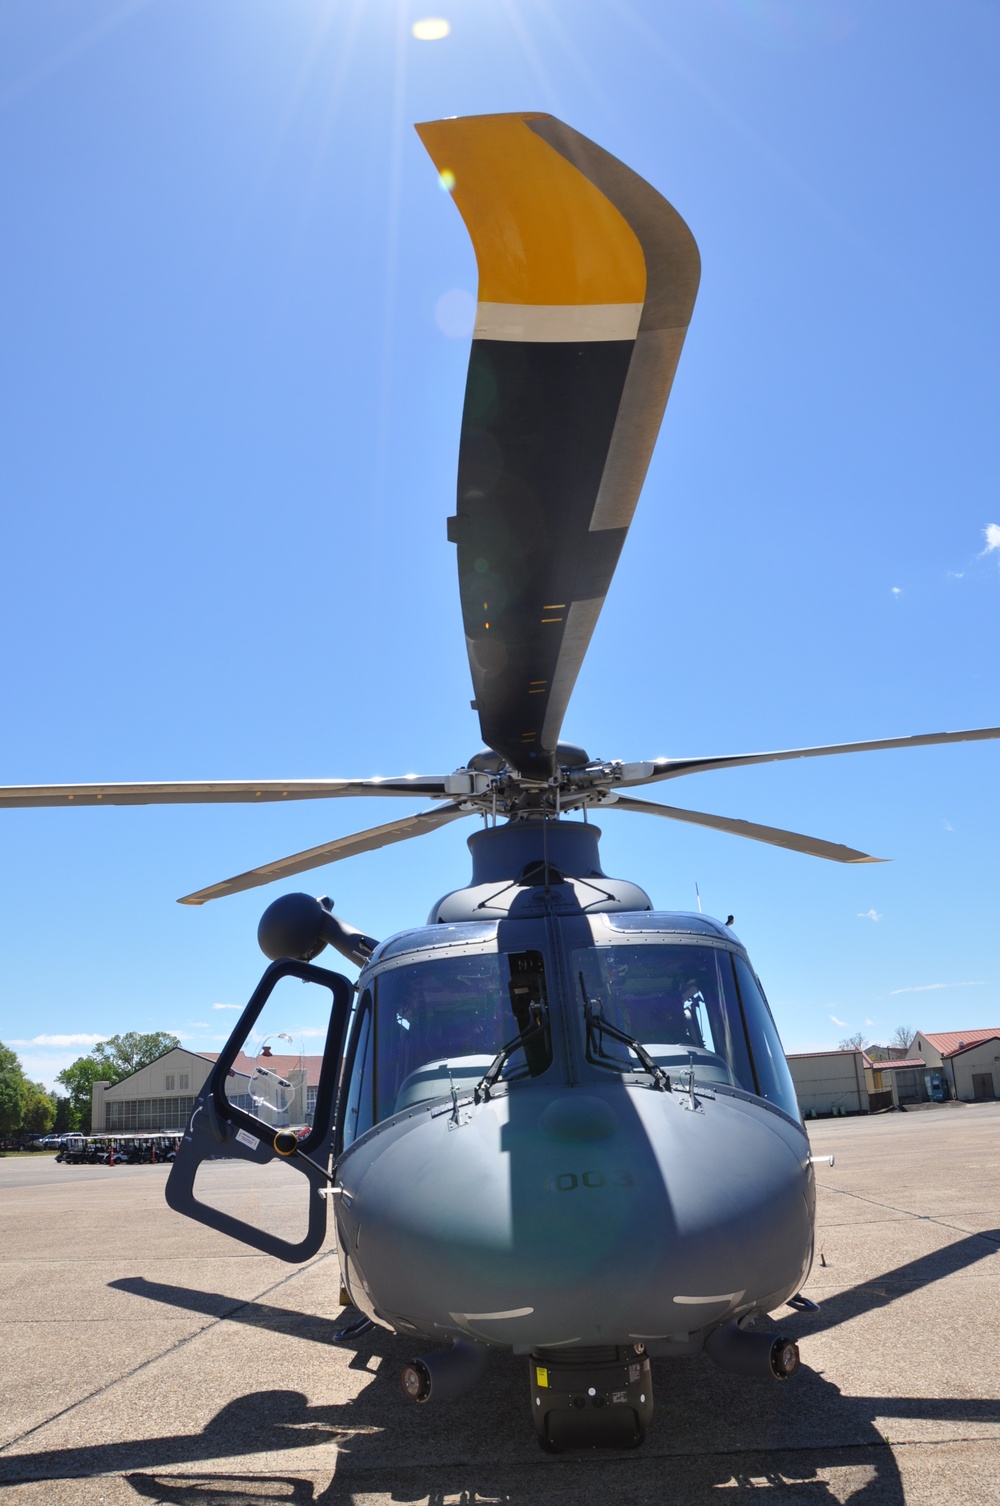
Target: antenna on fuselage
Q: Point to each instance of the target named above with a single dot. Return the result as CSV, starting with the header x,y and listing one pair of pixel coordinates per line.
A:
x,y
697,895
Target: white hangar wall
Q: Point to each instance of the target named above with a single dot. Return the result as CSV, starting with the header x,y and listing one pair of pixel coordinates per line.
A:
x,y
829,1080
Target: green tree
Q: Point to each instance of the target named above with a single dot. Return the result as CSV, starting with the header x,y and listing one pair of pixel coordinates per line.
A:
x,y
78,1079
123,1054
110,1061
39,1109
63,1122
13,1091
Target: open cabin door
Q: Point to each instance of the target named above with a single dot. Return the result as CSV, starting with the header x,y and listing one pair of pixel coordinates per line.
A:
x,y
254,1160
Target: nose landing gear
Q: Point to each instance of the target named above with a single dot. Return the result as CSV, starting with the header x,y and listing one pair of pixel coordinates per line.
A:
x,y
599,1397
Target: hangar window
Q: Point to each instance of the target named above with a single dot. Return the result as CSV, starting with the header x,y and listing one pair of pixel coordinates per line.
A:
x,y
146,1114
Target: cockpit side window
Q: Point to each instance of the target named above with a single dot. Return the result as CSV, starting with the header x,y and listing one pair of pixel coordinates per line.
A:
x,y
358,1113
774,1080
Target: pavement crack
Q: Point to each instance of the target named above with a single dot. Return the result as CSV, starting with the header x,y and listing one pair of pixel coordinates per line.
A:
x,y
906,1213
162,1354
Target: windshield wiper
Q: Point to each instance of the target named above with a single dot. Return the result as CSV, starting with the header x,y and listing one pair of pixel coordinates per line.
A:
x,y
492,1074
598,1024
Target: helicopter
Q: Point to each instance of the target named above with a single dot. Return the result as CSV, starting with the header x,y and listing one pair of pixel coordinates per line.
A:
x,y
553,1120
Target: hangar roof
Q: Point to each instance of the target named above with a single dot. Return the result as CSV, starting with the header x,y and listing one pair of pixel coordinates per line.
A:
x,y
280,1064
950,1042
799,1055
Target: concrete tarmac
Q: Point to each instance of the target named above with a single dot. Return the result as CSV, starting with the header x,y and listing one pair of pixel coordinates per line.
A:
x,y
146,1359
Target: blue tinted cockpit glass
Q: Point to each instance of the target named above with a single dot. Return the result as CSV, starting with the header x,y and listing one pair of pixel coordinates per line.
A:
x,y
357,1114
439,1023
678,1001
774,1080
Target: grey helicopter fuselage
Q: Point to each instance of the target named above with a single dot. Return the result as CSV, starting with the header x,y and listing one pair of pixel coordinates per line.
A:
x,y
633,1172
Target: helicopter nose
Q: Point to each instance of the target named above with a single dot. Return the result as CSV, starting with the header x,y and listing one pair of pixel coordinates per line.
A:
x,y
578,1117
629,1217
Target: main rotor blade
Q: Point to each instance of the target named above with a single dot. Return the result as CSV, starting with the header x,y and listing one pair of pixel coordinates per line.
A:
x,y
331,852
587,281
793,840
673,768
216,791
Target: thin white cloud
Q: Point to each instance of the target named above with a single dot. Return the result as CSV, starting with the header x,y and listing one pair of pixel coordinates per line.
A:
x,y
896,590
991,533
79,1039
841,1023
869,915
926,988
955,574
198,1024
227,1006
947,826
869,1022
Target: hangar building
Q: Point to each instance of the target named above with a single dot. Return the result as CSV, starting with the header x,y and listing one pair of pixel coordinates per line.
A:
x,y
828,1081
968,1060
161,1096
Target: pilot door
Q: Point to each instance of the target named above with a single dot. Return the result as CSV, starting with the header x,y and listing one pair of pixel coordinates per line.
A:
x,y
254,1161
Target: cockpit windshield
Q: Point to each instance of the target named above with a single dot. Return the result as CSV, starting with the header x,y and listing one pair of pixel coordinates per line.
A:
x,y
689,1007
441,1022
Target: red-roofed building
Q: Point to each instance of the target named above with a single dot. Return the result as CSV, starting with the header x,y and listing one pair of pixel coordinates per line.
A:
x,y
278,1089
968,1060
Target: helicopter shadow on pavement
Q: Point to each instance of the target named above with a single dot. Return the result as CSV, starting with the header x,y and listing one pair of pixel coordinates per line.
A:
x,y
805,1441
710,1431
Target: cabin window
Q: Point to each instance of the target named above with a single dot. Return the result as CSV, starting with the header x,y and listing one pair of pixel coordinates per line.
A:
x,y
440,1023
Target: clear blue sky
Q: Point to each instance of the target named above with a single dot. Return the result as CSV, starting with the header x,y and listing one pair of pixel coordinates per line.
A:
x,y
230,417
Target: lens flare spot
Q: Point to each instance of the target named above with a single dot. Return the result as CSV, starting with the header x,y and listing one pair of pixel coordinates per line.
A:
x,y
455,314
431,29
446,180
